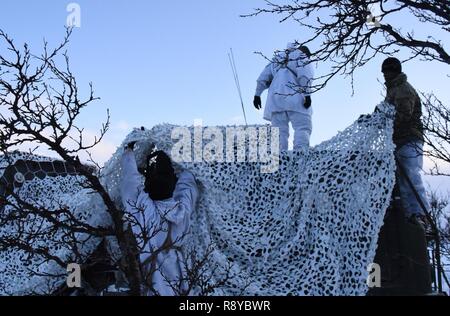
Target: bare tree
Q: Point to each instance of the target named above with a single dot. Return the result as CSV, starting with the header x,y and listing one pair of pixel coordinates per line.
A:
x,y
348,35
437,137
40,105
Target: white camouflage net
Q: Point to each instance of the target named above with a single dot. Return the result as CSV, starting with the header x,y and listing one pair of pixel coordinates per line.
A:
x,y
310,228
20,273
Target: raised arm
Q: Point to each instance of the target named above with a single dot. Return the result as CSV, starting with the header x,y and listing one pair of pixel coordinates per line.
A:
x,y
131,180
186,194
146,223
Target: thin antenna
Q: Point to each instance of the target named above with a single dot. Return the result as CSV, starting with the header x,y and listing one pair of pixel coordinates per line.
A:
x,y
236,81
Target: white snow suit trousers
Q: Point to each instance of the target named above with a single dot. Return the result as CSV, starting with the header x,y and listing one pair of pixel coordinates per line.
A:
x,y
301,123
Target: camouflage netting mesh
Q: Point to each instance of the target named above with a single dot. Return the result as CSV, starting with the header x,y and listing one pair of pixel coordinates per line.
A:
x,y
309,228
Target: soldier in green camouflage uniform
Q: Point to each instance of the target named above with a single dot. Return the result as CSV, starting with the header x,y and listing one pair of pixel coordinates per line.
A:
x,y
408,136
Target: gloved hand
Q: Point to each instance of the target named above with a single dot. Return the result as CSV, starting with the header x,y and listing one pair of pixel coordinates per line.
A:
x,y
308,102
257,102
130,146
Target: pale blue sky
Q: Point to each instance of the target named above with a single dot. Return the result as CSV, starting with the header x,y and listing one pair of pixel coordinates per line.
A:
x,y
166,61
